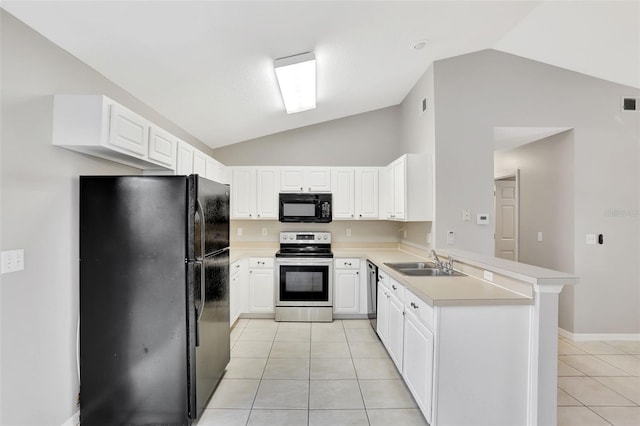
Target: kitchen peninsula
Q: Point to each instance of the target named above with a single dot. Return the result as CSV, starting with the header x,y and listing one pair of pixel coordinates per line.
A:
x,y
473,349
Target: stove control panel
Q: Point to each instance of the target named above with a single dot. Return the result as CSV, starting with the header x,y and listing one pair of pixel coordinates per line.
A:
x,y
305,237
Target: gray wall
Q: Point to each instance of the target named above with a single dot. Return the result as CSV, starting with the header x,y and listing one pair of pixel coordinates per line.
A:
x,y
478,91
368,139
546,205
39,197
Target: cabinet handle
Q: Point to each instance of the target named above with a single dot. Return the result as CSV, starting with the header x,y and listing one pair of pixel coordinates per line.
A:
x,y
301,189
258,215
357,273
394,287
360,215
380,277
309,189
352,215
414,306
249,214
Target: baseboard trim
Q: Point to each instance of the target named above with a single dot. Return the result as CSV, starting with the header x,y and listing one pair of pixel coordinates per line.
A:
x,y
74,420
587,337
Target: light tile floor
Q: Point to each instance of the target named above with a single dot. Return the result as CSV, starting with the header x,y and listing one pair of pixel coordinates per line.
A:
x,y
318,374
310,374
598,383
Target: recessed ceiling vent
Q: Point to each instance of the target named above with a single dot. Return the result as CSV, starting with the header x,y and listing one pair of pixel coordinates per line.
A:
x,y
630,104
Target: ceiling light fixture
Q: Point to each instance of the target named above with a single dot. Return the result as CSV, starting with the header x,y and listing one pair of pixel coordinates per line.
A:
x,y
297,80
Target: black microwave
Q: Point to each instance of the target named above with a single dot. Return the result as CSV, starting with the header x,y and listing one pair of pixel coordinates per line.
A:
x,y
307,208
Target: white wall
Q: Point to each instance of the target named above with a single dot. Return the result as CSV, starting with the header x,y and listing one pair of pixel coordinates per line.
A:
x,y
39,198
369,139
546,205
478,91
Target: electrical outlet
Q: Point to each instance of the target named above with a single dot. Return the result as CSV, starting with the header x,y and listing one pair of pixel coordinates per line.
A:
x,y
488,275
539,236
429,237
264,232
466,215
348,232
12,261
591,238
451,237
239,232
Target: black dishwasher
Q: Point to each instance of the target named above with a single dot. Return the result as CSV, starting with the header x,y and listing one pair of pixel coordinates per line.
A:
x,y
372,286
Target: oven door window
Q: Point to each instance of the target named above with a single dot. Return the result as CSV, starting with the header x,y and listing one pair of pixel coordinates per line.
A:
x,y
304,283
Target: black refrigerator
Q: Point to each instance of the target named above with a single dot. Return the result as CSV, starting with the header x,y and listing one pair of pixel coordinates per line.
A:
x,y
154,297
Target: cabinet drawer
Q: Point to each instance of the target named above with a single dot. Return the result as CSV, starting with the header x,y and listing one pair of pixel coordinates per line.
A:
x,y
396,289
346,263
424,311
234,269
261,262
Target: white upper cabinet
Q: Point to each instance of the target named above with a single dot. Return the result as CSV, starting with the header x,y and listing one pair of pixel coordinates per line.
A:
x,y
407,189
218,172
355,192
163,146
343,190
305,179
366,193
99,126
128,131
184,164
254,193
199,163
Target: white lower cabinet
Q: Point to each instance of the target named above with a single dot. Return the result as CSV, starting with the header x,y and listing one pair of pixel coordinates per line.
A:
x,y
237,272
390,325
417,365
261,285
346,286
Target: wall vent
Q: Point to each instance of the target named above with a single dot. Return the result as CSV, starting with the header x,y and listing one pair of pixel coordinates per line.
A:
x,y
630,104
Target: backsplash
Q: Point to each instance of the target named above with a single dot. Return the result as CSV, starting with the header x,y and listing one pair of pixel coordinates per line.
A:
x,y
347,231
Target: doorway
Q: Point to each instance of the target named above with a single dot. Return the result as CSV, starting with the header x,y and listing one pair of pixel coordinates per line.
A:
x,y
506,191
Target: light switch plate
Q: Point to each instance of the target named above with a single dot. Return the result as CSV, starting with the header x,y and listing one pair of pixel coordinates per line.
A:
x,y
539,236
451,237
264,232
348,232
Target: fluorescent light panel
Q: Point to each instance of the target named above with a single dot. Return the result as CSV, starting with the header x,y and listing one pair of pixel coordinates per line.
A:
x,y
297,80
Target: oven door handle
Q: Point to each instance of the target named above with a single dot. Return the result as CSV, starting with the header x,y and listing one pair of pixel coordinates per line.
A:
x,y
303,262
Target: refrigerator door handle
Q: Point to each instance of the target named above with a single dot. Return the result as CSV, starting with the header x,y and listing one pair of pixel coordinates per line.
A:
x,y
202,253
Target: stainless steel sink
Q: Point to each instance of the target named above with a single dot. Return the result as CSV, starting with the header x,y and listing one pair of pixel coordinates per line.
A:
x,y
422,269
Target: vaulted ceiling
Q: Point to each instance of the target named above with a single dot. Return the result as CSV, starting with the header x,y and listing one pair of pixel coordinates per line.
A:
x,y
208,65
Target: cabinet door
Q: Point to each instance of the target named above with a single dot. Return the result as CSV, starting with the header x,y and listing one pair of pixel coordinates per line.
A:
x,y
163,147
199,163
418,363
346,295
318,179
213,169
268,182
185,159
386,193
243,193
395,331
292,179
342,181
261,290
399,188
235,291
366,193
128,131
383,313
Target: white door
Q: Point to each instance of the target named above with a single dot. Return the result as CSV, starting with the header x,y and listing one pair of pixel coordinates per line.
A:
x,y
347,292
395,331
506,214
366,193
399,188
343,193
292,179
199,163
268,185
243,193
128,131
162,147
318,179
184,164
261,290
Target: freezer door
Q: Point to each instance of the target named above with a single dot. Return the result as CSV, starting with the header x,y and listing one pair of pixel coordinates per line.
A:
x,y
213,199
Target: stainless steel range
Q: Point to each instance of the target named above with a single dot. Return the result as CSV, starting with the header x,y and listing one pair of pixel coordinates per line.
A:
x,y
304,271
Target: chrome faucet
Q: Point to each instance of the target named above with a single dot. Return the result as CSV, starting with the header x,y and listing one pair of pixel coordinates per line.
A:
x,y
449,266
439,264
